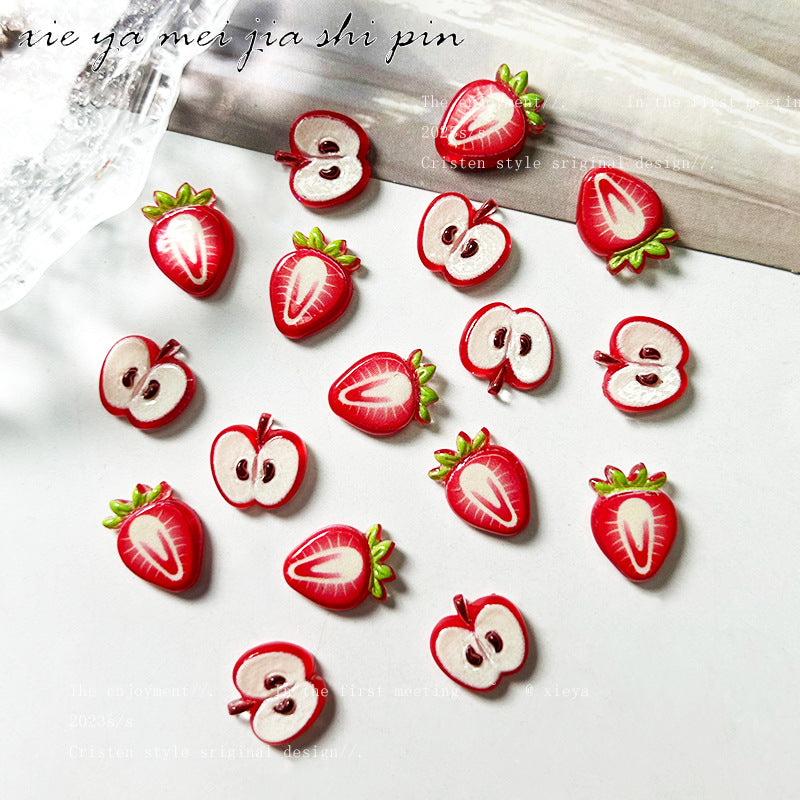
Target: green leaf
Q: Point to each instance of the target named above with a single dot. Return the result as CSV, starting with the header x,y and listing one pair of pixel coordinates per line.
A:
x,y
184,195
152,212
641,478
446,458
424,414
635,259
203,198
376,590
519,83
299,240
616,477
666,233
655,248
425,372
478,442
504,73
119,508
112,522
658,482
382,572
155,493
416,358
532,100
165,201
439,474
380,549
462,445
346,260
616,263
427,395
534,119
316,239
372,535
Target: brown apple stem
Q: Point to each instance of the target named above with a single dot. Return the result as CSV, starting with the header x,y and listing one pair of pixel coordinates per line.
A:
x,y
289,158
169,349
605,359
240,706
486,210
461,608
264,424
497,382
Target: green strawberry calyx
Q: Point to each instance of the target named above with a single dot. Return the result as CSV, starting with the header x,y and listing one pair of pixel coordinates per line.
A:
x,y
634,257
636,480
185,197
379,550
427,396
337,249
142,496
530,102
465,447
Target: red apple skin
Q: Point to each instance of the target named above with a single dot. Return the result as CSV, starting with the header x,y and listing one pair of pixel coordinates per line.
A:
x,y
252,704
457,621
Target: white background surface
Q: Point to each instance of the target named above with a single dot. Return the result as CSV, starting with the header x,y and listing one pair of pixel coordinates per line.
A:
x,y
683,687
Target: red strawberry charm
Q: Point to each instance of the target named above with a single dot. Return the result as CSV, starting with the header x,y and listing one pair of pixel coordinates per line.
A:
x,y
620,217
486,485
190,241
463,244
488,121
633,521
338,567
328,159
160,538
311,287
645,365
145,383
382,392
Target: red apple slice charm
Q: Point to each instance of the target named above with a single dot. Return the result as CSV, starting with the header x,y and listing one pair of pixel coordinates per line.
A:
x,y
382,392
505,346
260,465
145,383
645,366
486,485
280,689
339,567
328,159
619,217
633,521
160,538
311,287
488,121
463,244
190,241
482,643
